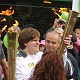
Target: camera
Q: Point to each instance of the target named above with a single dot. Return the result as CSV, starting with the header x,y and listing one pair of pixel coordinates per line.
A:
x,y
60,21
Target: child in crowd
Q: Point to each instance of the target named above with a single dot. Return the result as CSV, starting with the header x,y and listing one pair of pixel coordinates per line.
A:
x,y
77,43
42,45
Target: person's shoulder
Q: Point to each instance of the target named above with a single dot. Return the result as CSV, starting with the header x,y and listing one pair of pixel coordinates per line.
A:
x,y
50,29
40,53
73,60
22,54
70,56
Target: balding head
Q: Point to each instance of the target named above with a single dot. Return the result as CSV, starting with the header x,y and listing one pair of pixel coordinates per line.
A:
x,y
52,41
54,33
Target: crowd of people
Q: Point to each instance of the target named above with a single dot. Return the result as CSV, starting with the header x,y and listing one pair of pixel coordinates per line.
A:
x,y
40,60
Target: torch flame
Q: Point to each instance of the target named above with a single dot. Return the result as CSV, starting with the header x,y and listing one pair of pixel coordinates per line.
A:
x,y
47,1
4,28
16,23
3,20
10,30
56,13
8,12
61,11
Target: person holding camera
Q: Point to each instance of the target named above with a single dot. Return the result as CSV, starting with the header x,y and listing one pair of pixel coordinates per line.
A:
x,y
60,23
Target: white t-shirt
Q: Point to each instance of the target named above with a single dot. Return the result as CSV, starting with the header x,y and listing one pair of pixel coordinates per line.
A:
x,y
25,64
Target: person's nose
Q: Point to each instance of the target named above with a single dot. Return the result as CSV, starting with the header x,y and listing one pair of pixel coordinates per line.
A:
x,y
50,44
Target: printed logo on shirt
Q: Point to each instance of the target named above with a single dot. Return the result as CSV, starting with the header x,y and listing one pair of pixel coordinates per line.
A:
x,y
31,65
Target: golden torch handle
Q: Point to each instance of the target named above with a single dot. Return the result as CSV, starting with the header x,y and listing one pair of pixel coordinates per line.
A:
x,y
72,18
12,39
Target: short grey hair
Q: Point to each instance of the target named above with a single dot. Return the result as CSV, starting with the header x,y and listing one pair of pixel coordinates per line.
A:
x,y
55,33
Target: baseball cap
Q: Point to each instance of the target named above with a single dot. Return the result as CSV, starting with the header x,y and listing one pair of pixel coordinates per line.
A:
x,y
42,42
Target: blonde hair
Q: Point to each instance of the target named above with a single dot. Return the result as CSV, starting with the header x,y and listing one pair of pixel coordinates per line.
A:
x,y
16,28
60,29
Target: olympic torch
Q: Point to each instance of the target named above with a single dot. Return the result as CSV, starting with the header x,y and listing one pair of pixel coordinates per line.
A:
x,y
72,18
12,40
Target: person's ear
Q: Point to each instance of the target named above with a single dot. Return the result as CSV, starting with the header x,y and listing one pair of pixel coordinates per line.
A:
x,y
59,44
25,44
